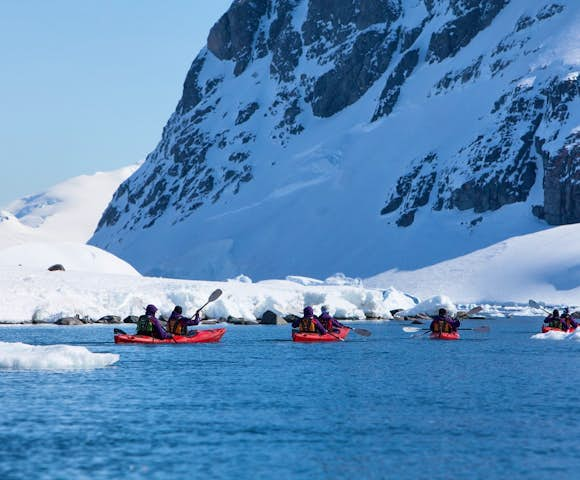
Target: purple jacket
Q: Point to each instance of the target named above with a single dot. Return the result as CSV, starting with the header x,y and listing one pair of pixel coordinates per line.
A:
x,y
158,330
319,328
184,321
329,321
453,323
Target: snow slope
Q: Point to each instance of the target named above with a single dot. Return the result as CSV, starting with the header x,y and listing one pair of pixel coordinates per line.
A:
x,y
67,212
544,266
52,227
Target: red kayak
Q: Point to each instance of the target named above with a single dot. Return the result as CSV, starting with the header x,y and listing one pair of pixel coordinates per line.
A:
x,y
317,337
546,329
445,336
202,336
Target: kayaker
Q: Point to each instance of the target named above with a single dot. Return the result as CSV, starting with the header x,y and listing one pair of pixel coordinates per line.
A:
x,y
149,325
554,321
177,323
444,323
328,321
567,320
309,322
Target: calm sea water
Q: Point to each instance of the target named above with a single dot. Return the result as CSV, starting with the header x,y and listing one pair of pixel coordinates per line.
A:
x,y
492,406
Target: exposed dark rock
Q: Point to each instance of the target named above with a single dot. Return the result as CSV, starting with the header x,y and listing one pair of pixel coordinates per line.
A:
x,y
354,74
460,31
562,184
131,319
392,89
246,113
71,321
270,318
109,319
232,37
57,267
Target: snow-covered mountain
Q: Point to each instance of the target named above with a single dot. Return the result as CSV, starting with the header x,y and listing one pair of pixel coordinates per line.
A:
x,y
66,212
317,136
53,227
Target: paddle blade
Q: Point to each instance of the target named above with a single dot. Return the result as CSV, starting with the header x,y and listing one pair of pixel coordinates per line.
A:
x,y
214,295
362,331
118,331
473,311
411,329
534,304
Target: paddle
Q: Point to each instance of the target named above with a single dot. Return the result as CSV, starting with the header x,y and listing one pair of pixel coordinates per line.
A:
x,y
469,312
361,331
212,298
482,329
534,304
118,331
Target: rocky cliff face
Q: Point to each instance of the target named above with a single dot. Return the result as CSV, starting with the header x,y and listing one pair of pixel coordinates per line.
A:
x,y
413,108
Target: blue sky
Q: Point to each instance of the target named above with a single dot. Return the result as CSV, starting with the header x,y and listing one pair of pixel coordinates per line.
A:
x,y
88,85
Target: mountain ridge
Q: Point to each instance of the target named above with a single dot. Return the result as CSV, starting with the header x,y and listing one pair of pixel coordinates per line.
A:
x,y
293,104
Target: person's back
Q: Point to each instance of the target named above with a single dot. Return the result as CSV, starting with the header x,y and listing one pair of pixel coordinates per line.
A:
x,y
567,320
554,321
177,323
443,323
150,324
328,321
309,323
144,326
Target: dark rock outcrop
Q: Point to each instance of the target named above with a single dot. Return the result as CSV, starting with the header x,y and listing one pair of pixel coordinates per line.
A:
x,y
57,267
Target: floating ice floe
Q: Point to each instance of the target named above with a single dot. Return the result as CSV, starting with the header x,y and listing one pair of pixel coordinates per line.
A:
x,y
21,356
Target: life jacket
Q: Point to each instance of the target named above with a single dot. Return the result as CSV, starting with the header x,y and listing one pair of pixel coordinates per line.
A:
x,y
557,323
442,326
144,326
307,325
175,326
326,321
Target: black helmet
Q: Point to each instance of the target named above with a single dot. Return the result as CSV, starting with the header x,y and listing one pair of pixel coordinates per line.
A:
x,y
442,311
556,313
178,309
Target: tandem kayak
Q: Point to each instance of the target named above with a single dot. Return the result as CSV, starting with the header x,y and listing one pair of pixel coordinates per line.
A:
x,y
445,336
546,329
317,337
202,336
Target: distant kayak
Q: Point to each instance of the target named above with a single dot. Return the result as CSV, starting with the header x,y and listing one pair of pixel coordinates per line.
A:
x,y
445,336
202,336
316,337
546,329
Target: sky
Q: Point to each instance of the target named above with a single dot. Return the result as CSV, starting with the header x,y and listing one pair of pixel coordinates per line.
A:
x,y
87,86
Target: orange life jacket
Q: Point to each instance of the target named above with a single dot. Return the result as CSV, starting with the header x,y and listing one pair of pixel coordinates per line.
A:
x,y
307,325
441,326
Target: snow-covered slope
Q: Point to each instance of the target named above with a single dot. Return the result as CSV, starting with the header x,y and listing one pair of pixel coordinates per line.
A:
x,y
52,227
358,136
67,212
543,265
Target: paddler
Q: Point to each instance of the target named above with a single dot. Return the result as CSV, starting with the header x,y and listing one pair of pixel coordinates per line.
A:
x,y
177,323
443,323
567,320
554,321
328,321
309,322
149,325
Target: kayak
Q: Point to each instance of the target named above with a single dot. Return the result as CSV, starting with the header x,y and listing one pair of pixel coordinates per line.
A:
x,y
202,336
317,337
546,329
445,336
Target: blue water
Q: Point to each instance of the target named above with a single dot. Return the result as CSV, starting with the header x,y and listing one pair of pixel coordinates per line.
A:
x,y
492,406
